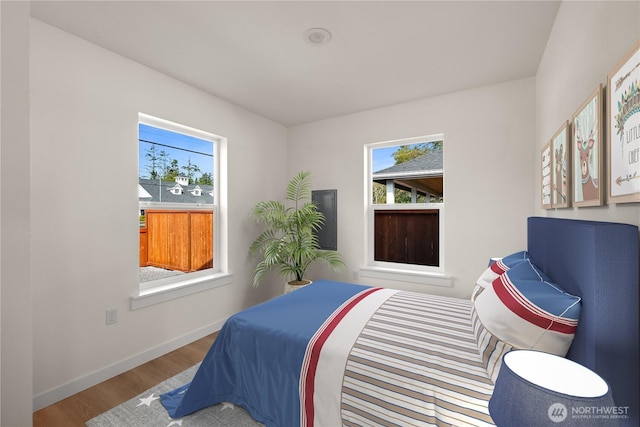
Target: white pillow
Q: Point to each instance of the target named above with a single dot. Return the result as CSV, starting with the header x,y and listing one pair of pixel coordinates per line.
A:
x,y
523,308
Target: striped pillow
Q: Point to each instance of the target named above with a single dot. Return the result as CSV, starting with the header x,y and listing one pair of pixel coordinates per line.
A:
x,y
523,308
477,290
490,348
499,267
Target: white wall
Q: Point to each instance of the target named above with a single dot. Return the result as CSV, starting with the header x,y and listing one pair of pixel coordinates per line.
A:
x,y
84,110
488,147
15,285
588,39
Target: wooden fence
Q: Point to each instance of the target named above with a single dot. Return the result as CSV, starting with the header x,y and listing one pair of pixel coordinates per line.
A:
x,y
407,236
177,240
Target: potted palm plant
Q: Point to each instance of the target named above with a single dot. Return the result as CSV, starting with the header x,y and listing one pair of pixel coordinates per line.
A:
x,y
289,243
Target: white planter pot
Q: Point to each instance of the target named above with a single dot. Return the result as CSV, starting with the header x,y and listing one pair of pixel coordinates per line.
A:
x,y
295,284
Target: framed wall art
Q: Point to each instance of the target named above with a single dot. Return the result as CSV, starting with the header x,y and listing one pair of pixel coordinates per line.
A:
x,y
623,129
546,176
586,136
561,165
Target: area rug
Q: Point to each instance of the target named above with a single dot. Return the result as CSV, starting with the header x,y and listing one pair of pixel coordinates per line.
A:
x,y
145,410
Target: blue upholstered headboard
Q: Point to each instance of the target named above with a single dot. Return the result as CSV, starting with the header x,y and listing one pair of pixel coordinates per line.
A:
x,y
599,261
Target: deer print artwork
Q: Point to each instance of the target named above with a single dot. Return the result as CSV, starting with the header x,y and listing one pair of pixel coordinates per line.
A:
x,y
589,185
586,146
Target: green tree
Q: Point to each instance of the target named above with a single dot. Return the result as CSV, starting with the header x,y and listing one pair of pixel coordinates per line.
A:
x,y
205,179
153,160
409,152
402,196
165,163
171,171
379,194
190,170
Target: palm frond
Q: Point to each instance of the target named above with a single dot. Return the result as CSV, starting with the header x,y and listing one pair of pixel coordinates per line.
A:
x,y
289,243
299,187
270,212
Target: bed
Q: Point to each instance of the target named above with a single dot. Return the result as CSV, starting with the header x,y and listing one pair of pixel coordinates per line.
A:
x,y
344,354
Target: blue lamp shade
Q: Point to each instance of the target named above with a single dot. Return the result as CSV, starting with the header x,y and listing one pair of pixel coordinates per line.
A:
x,y
540,389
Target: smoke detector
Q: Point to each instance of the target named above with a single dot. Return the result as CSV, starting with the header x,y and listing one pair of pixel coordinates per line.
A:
x,y
317,36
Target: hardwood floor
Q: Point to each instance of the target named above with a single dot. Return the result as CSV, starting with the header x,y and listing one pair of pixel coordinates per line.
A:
x,y
76,410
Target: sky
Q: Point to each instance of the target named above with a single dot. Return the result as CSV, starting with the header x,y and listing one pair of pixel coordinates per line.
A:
x,y
383,158
175,144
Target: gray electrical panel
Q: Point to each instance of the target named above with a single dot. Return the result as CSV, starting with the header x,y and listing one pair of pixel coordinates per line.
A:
x,y
327,202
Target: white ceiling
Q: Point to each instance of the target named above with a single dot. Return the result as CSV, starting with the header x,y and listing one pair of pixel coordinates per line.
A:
x,y
254,54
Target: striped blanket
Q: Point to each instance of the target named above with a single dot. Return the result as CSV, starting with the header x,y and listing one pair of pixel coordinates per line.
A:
x,y
416,363
338,354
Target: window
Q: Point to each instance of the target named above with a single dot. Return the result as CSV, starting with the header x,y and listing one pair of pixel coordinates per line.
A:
x,y
405,204
176,190
179,185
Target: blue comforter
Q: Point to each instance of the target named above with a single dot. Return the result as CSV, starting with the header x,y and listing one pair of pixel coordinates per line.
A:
x,y
255,361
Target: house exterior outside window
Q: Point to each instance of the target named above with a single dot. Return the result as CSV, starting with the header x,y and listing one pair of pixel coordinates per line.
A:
x,y
406,204
177,194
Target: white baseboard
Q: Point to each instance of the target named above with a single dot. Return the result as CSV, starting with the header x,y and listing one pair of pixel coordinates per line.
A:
x,y
82,383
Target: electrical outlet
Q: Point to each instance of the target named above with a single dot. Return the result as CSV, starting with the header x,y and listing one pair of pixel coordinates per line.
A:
x,y
354,275
111,316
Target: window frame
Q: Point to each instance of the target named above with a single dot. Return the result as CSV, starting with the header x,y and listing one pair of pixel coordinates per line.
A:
x,y
156,291
392,270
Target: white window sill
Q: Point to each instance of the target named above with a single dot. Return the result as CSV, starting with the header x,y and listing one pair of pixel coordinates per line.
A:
x,y
417,277
167,291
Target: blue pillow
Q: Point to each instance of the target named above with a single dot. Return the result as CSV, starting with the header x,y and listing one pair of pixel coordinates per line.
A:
x,y
525,309
500,266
